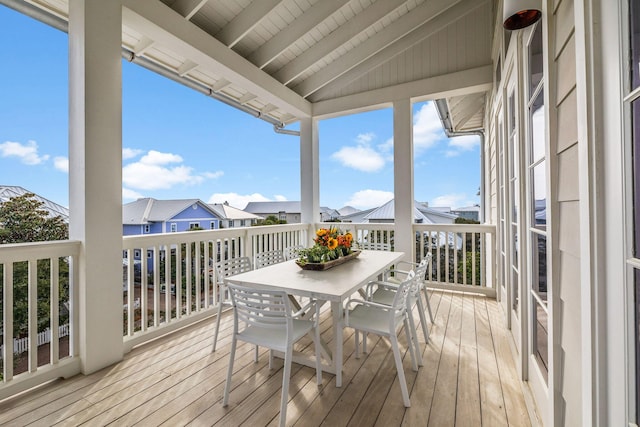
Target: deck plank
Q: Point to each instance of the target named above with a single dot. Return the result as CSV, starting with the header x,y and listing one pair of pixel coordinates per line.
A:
x,y
469,378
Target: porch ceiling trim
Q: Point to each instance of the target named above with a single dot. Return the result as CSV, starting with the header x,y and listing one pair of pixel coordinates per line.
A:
x,y
166,27
473,80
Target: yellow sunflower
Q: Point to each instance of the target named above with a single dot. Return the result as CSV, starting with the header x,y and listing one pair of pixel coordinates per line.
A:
x,y
333,243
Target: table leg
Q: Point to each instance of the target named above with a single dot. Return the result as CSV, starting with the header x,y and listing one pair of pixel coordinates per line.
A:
x,y
336,311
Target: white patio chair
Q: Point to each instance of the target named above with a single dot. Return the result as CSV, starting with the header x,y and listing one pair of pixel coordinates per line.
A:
x,y
386,320
264,318
383,291
224,269
263,259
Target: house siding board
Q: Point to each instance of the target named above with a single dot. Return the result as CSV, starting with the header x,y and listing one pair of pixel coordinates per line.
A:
x,y
567,129
568,175
568,215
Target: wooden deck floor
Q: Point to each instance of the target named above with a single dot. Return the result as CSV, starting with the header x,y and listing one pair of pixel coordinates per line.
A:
x,y
468,379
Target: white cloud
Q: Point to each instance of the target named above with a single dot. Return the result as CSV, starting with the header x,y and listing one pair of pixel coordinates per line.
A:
x,y
452,200
240,201
366,199
427,128
128,194
154,171
130,153
361,157
280,198
61,164
464,143
27,153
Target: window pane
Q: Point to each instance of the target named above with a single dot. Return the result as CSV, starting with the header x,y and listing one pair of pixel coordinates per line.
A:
x,y
538,146
637,332
540,337
539,184
535,58
634,27
539,266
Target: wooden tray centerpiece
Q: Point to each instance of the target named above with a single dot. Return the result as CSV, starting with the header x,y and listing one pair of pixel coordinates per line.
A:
x,y
320,266
331,248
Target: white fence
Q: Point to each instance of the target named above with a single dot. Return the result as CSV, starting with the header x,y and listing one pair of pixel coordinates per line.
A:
x,y
20,345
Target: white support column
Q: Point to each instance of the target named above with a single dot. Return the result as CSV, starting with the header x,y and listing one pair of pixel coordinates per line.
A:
x,y
95,175
309,172
404,239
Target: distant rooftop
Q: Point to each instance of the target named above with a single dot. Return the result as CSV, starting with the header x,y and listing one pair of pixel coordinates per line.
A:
x,y
8,192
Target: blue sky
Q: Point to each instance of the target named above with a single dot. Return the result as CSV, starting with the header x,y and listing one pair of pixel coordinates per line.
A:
x,y
177,143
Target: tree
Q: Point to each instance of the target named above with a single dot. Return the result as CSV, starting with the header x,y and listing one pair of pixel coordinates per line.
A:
x,y
271,220
23,219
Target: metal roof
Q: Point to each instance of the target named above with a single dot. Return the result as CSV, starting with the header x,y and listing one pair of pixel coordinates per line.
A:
x,y
283,60
147,210
225,211
8,192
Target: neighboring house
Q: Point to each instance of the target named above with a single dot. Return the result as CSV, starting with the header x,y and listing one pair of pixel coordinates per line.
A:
x,y
8,192
468,212
385,214
151,216
288,211
233,217
347,210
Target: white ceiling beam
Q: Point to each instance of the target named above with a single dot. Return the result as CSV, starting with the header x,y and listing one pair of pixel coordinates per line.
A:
x,y
399,28
186,68
424,31
246,98
337,38
297,29
464,82
159,22
268,108
220,84
142,46
246,21
188,8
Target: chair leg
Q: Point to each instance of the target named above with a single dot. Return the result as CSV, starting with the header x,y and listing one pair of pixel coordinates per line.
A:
x,y
286,374
316,345
364,342
423,320
227,386
412,342
426,297
401,378
215,335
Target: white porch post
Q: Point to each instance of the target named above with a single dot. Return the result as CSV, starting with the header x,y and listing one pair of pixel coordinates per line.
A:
x,y
95,175
403,177
309,171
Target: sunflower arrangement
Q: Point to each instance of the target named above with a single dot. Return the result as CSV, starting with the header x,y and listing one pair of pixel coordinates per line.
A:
x,y
330,244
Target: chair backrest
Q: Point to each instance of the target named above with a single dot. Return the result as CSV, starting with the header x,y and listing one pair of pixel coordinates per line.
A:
x,y
264,259
291,252
403,291
232,266
261,308
426,274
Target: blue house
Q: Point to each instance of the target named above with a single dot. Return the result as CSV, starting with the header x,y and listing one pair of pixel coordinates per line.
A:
x,y
151,216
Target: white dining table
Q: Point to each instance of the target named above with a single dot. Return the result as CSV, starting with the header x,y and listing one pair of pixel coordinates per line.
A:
x,y
334,285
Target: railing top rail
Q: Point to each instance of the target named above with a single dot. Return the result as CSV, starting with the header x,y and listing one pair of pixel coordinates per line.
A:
x,y
14,252
477,228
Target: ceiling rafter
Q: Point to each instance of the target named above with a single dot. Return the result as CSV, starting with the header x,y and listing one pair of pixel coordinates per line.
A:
x,y
298,28
187,67
337,38
142,46
188,8
245,21
376,43
468,111
422,32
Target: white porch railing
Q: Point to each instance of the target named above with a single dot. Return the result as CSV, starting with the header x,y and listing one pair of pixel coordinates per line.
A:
x,y
169,282
172,274
21,345
38,292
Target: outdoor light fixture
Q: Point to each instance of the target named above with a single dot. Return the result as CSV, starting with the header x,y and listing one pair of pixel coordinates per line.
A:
x,y
519,14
